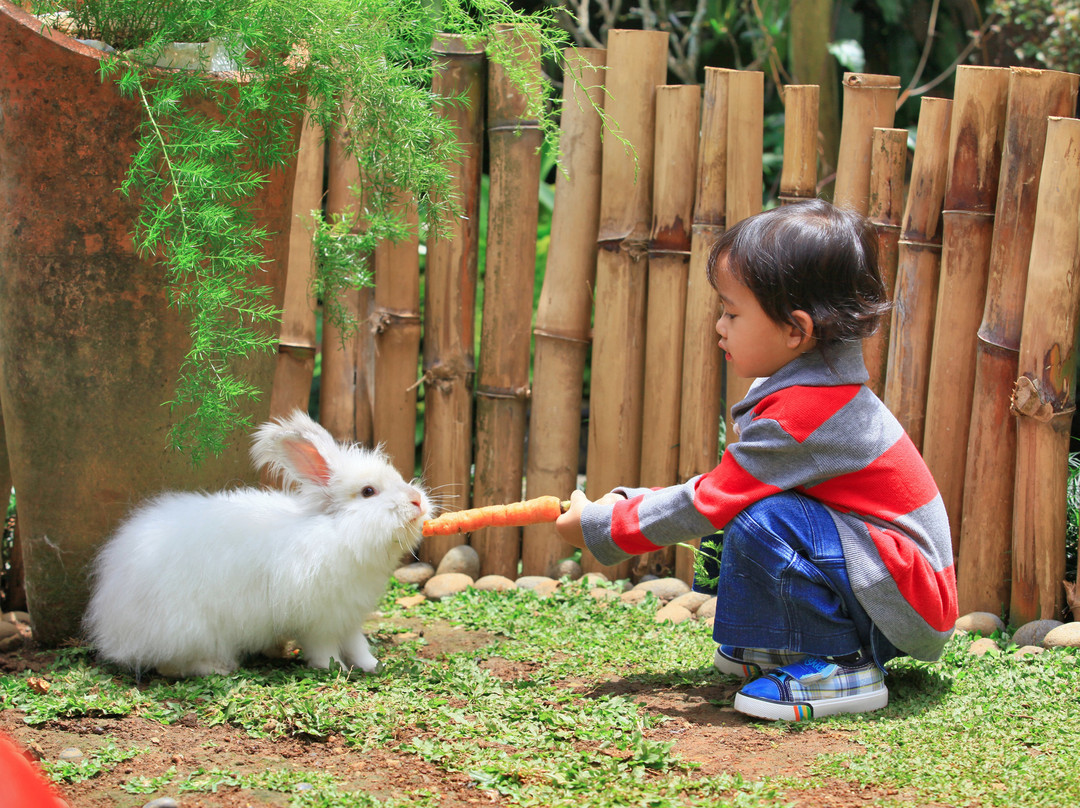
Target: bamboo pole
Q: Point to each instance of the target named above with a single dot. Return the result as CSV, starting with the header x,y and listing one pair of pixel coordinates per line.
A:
x,y
450,295
297,343
987,517
798,177
745,142
1044,397
975,140
509,277
637,64
678,111
917,271
703,364
396,330
562,332
888,166
869,104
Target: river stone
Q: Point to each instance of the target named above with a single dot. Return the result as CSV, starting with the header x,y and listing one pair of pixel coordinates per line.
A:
x,y
1065,636
983,646
984,623
461,558
10,637
410,601
691,601
600,593
446,585
162,802
673,613
707,610
595,578
1028,651
70,754
494,583
665,588
540,584
567,568
418,573
16,617
633,596
1033,633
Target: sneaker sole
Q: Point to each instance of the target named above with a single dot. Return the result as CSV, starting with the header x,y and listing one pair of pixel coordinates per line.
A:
x,y
804,710
734,667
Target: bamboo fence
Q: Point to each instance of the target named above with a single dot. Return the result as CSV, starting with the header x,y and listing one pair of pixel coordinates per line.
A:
x,y
869,104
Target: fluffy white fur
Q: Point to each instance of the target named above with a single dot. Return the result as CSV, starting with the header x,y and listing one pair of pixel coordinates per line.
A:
x,y
191,582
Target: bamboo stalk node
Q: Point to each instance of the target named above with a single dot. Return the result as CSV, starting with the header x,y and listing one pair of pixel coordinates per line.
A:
x,y
1026,401
787,199
636,248
443,375
299,351
921,246
565,336
707,230
514,126
383,318
491,391
657,253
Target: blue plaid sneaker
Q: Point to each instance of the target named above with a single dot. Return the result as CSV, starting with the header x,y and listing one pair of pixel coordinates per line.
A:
x,y
749,662
815,687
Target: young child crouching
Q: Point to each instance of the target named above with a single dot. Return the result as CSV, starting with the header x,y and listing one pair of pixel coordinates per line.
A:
x,y
837,555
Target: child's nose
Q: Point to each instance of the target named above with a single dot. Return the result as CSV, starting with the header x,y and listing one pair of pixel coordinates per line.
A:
x,y
719,326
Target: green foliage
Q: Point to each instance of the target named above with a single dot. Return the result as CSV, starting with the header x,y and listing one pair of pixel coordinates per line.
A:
x,y
1040,33
64,771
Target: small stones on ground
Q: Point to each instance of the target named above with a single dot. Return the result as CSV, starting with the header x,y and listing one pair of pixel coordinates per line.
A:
x,y
15,617
983,646
162,802
446,585
595,578
984,623
70,754
418,573
10,637
691,601
664,588
1034,632
1064,636
540,584
602,593
707,610
567,568
1025,651
462,559
410,601
494,583
633,596
673,613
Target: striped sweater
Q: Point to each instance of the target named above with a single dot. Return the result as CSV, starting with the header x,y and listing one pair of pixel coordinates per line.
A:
x,y
815,428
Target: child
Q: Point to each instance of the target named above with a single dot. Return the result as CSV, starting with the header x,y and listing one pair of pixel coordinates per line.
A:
x,y
836,548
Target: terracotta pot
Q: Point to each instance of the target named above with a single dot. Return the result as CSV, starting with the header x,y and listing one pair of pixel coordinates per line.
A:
x,y
89,348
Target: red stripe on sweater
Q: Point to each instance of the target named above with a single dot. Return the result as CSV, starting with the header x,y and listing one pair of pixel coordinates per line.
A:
x,y
727,490
932,594
626,528
895,484
800,413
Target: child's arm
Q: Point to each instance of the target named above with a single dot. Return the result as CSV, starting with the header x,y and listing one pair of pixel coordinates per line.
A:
x,y
568,525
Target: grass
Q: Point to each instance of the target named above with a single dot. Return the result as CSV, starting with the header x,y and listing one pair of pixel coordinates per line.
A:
x,y
990,731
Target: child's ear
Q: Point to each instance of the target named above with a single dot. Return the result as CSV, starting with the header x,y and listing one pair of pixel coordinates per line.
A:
x,y
802,329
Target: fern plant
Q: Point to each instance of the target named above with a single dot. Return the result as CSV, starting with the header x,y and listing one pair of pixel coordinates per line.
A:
x,y
206,145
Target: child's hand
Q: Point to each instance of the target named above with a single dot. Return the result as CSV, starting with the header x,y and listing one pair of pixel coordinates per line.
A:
x,y
568,526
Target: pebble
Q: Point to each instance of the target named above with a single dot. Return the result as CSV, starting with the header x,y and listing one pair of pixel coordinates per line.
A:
x,y
707,610
673,613
691,601
162,802
984,623
461,559
601,593
595,578
983,646
540,584
1064,636
633,596
70,754
1026,651
1033,633
664,588
494,583
16,617
410,601
10,637
418,573
446,585
567,568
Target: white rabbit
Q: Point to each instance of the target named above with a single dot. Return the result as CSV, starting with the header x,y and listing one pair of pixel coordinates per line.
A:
x,y
191,582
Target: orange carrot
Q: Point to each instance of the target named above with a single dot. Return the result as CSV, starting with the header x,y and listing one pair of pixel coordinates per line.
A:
x,y
529,512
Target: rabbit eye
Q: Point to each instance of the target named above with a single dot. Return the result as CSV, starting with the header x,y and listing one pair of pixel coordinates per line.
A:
x,y
368,491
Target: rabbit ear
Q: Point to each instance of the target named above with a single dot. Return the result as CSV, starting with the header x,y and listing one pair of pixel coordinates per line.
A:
x,y
295,447
306,460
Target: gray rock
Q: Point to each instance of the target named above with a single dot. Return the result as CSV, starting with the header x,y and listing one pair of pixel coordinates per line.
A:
x,y
664,588
567,568
540,584
1033,633
162,802
418,573
70,754
983,646
691,601
1065,636
984,623
461,558
673,613
707,610
446,585
494,583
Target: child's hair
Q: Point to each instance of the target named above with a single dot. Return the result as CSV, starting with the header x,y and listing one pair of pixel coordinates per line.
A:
x,y
811,256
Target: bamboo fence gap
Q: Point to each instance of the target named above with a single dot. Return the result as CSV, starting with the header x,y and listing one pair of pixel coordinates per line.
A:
x,y
701,407
503,373
636,65
297,343
798,176
1044,396
678,112
888,166
395,326
745,143
917,271
450,295
562,330
987,516
975,140
869,104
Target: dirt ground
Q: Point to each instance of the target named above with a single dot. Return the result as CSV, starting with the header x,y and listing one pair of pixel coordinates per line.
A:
x,y
717,738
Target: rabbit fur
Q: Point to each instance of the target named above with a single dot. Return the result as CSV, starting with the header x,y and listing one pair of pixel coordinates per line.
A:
x,y
191,582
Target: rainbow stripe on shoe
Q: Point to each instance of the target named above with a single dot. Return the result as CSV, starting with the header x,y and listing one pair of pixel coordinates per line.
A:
x,y
814,688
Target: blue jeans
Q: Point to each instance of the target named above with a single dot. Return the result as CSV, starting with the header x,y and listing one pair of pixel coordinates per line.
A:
x,y
783,583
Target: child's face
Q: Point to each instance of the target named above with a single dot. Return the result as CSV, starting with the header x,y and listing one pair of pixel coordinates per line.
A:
x,y
755,344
